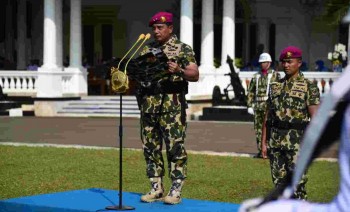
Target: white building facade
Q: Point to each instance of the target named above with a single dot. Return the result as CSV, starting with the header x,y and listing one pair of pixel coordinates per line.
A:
x,y
62,32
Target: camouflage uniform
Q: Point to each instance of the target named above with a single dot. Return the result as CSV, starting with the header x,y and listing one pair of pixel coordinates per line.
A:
x,y
256,98
162,119
288,115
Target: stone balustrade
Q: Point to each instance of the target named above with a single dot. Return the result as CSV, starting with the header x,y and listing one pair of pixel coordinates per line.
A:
x,y
208,80
24,82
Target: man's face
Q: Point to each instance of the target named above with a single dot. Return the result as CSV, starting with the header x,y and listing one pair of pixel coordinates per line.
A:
x,y
291,66
265,65
162,32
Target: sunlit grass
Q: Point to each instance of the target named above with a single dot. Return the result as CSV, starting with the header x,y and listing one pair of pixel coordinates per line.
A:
x,y
28,171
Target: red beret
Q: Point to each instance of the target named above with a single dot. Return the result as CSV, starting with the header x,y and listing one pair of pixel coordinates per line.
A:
x,y
290,52
161,18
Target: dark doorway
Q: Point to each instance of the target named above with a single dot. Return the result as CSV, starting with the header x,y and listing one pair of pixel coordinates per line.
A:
x,y
239,30
88,44
272,41
217,44
107,41
197,29
29,19
253,44
2,21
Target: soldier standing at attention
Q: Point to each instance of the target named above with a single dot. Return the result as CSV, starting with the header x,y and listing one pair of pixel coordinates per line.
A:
x,y
292,101
163,112
257,95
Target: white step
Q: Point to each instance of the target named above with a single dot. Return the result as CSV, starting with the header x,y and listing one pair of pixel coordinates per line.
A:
x,y
106,106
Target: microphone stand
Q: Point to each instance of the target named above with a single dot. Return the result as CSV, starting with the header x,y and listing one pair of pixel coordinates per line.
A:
x,y
120,207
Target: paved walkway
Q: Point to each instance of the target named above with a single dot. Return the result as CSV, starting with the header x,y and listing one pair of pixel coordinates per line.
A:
x,y
224,137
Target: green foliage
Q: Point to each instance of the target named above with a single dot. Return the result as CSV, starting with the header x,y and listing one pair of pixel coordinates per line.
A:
x,y
28,171
334,12
247,10
217,63
239,63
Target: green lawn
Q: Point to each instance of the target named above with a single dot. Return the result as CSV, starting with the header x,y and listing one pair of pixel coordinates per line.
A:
x,y
35,170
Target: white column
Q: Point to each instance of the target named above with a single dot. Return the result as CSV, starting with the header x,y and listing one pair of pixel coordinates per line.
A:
x,y
21,34
50,35
49,83
263,34
9,32
207,45
59,33
79,79
228,31
75,35
186,22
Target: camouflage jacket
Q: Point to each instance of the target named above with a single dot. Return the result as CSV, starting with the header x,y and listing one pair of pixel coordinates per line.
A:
x,y
288,102
258,89
183,55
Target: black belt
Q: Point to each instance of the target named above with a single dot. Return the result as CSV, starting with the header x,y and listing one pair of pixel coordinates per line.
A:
x,y
165,87
285,125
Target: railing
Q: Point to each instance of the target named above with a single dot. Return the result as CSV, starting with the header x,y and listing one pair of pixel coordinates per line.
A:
x,y
323,79
24,82
209,79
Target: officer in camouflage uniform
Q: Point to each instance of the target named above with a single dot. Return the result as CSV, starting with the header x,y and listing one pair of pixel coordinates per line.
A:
x,y
257,95
163,115
292,102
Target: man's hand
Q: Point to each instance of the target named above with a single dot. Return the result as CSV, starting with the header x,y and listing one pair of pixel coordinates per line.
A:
x,y
263,151
174,67
250,111
189,73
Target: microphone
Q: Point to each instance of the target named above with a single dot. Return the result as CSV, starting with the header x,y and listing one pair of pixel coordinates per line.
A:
x,y
119,79
142,36
144,40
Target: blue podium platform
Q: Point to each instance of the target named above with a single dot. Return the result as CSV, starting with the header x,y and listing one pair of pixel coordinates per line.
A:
x,y
96,199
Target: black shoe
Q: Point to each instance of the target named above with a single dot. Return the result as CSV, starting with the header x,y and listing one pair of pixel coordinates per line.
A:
x,y
257,156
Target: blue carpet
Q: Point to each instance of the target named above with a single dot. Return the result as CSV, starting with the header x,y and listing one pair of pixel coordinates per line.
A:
x,y
96,199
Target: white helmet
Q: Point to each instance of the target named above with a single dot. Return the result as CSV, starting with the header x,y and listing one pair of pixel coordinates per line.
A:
x,y
265,57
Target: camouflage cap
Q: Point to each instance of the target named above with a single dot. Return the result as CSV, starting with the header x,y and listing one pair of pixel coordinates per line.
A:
x,y
162,18
290,52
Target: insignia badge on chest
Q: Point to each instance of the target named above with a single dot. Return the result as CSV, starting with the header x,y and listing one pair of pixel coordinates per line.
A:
x,y
298,90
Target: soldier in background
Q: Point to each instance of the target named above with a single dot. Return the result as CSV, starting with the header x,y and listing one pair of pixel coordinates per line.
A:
x,y
257,95
331,124
163,115
292,102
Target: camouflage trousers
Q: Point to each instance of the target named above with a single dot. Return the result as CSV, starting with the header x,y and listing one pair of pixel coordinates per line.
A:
x,y
259,116
282,163
165,127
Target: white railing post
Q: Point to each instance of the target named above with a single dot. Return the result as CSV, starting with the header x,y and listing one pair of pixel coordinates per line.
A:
x,y
244,84
18,83
327,85
30,84
12,83
319,85
6,83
